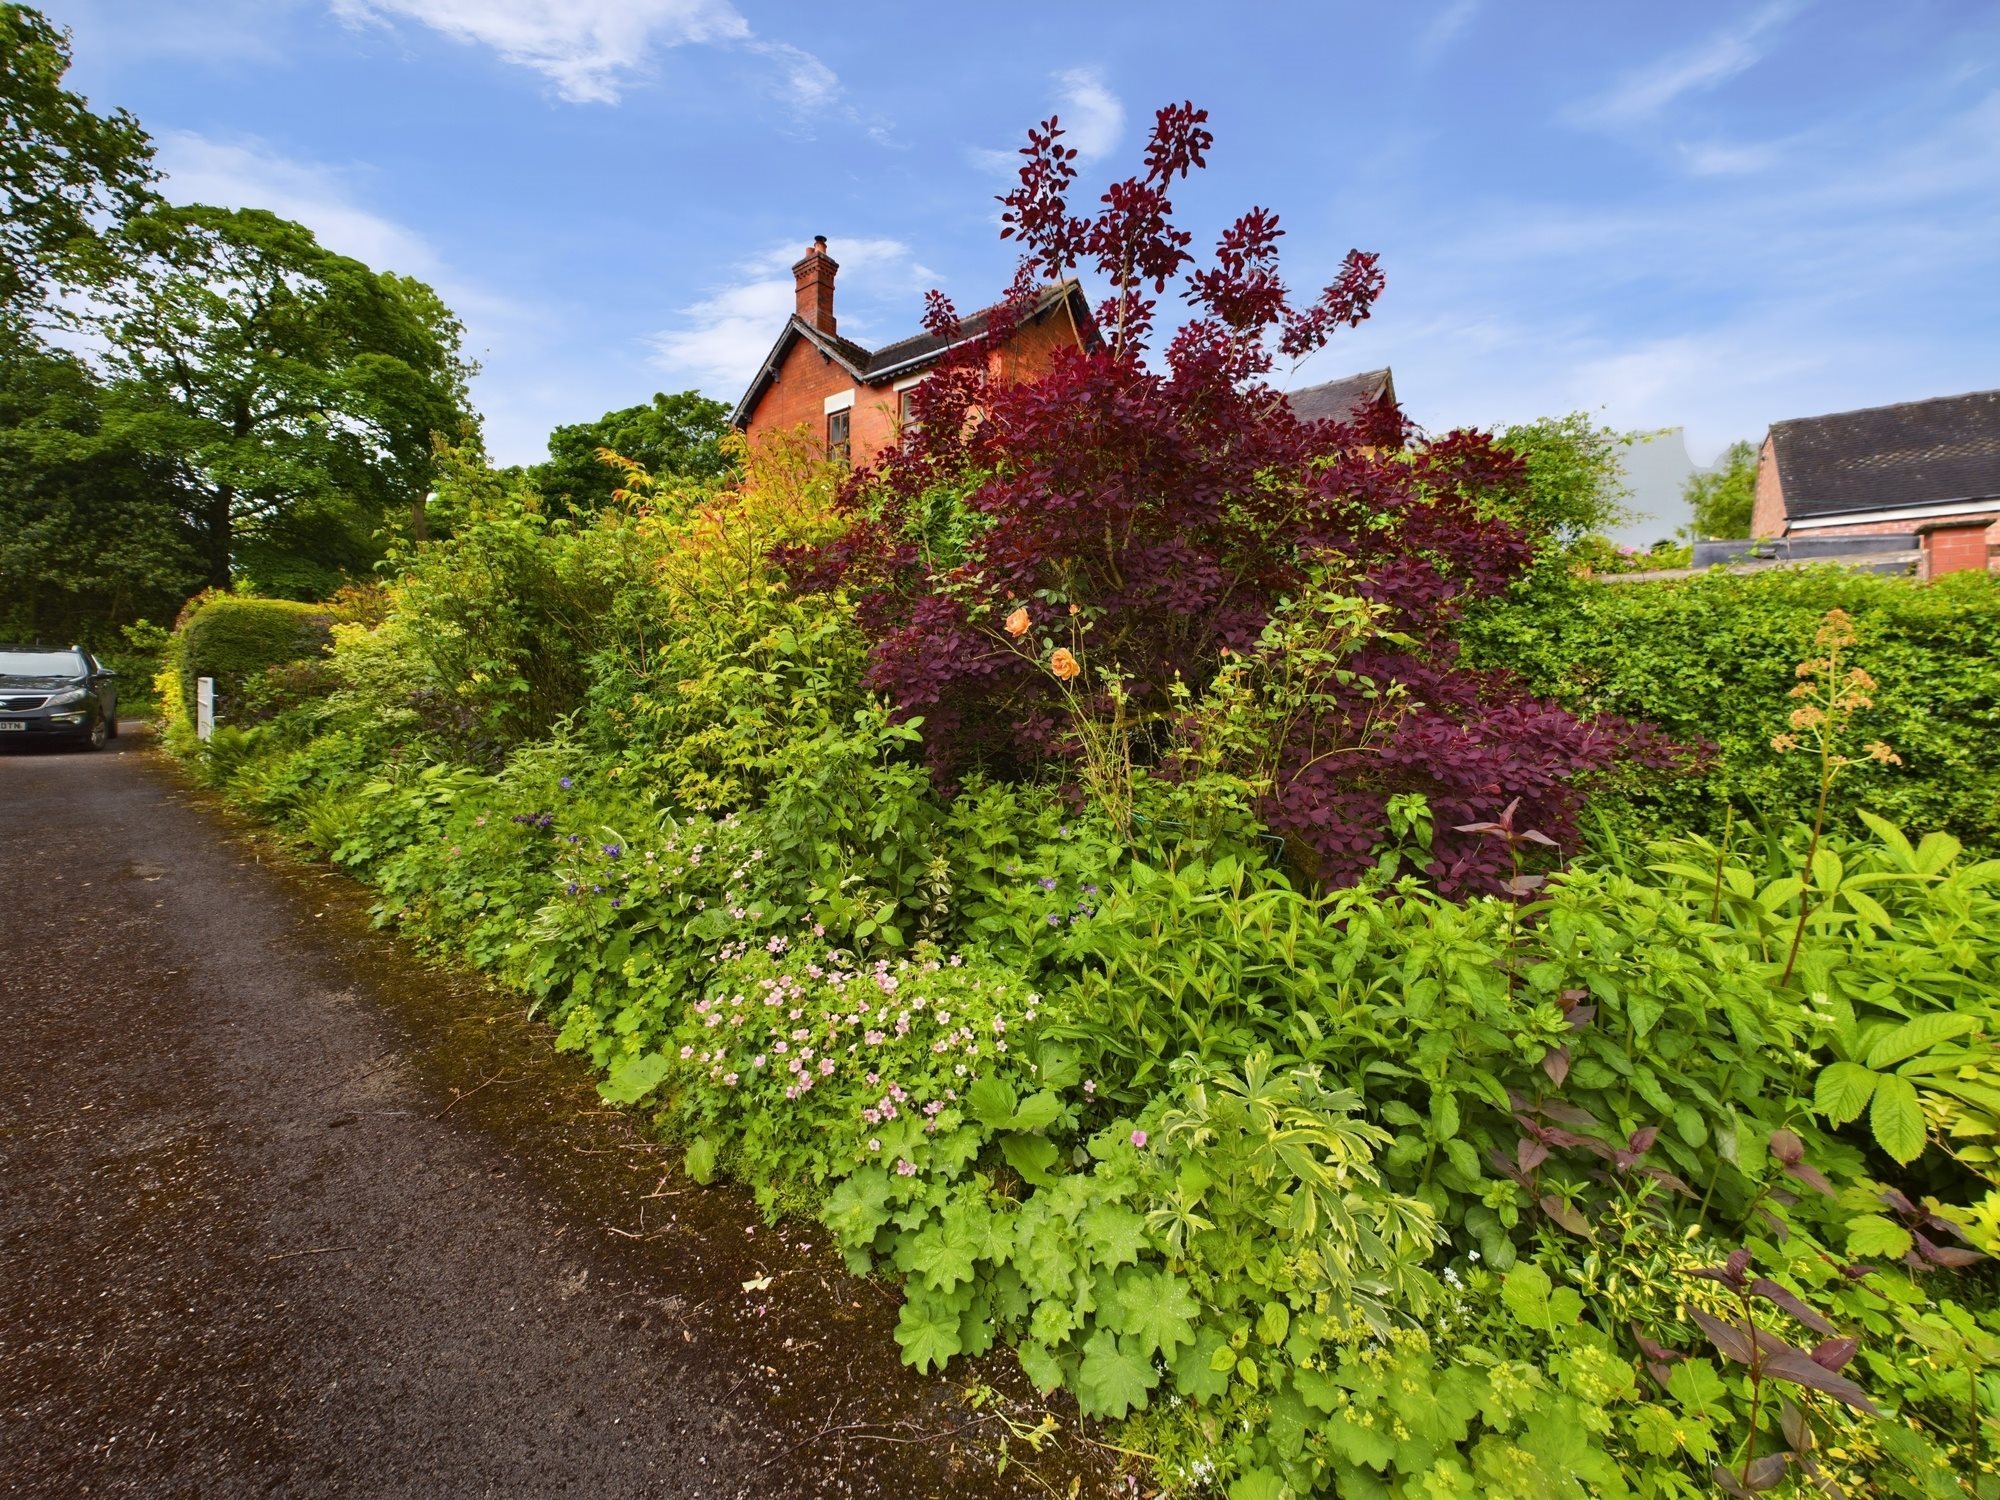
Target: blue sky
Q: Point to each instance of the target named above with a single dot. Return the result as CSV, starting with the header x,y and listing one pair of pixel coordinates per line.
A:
x,y
1710,215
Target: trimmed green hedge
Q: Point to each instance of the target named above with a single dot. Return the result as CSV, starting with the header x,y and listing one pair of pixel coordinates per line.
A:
x,y
1714,658
233,639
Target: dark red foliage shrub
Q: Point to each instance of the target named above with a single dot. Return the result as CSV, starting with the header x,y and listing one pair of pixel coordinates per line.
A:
x,y
1148,520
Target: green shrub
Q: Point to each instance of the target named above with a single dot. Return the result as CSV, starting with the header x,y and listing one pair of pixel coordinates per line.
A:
x,y
237,641
1714,658
1362,1193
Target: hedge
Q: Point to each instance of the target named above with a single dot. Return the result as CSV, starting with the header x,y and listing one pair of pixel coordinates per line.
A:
x,y
1714,657
232,639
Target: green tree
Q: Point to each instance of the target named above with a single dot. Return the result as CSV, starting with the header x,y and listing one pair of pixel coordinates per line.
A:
x,y
89,534
295,389
66,173
1723,497
677,436
1576,485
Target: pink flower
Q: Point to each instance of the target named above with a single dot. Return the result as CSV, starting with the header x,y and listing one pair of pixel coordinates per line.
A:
x,y
686,1053
874,1145
1139,1139
826,1067
906,1168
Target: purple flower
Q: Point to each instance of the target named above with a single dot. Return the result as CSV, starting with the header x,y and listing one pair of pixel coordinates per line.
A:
x,y
616,903
564,783
1048,882
612,851
572,888
1054,920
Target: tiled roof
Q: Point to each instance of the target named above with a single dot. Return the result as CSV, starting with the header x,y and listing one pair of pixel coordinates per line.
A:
x,y
905,356
1919,453
1342,400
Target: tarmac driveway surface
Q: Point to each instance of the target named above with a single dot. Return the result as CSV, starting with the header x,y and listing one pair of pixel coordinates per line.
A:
x,y
283,1211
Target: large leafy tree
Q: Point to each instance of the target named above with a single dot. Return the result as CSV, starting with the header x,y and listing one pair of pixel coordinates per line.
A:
x,y
678,436
296,390
66,173
89,536
1724,496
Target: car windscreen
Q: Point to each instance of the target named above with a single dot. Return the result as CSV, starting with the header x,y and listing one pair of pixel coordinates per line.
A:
x,y
40,664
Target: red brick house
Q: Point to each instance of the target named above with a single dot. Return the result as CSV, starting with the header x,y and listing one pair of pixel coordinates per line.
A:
x,y
1929,470
856,400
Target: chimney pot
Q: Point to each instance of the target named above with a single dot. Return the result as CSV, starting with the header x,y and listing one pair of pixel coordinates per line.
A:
x,y
813,279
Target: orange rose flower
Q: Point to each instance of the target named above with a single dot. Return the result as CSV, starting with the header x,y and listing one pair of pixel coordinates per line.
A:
x,y
1017,622
1063,664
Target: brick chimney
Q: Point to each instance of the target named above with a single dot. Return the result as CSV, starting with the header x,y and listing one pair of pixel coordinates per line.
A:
x,y
813,277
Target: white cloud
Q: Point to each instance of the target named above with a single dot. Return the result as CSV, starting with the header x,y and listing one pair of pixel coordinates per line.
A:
x,y
1642,94
591,49
723,337
1727,159
1093,116
807,83
248,173
1446,26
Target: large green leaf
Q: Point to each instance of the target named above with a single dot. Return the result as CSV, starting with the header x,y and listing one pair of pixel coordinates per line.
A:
x,y
858,1207
1114,1232
1897,1119
1842,1092
1919,1035
1037,1111
633,1078
1874,1234
928,1329
1195,1374
1033,1156
1115,1377
1526,1293
1155,1308
993,1102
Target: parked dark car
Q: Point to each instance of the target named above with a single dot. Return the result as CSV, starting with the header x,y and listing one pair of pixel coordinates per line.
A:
x,y
52,693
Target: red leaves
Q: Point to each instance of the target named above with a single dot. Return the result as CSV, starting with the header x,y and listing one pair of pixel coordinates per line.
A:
x,y
1179,509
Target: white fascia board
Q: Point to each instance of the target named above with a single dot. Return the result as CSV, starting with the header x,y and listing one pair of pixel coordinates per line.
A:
x,y
1896,513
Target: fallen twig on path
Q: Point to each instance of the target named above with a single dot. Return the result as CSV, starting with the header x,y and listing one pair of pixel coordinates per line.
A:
x,y
323,1250
457,1098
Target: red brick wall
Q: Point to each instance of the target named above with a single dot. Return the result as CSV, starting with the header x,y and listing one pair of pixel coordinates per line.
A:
x,y
1767,511
1954,549
807,377
798,395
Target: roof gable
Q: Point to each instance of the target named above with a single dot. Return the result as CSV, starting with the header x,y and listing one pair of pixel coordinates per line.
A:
x,y
905,356
1886,457
1342,400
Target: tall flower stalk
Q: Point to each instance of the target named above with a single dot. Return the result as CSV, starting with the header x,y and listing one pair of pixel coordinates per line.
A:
x,y
1830,693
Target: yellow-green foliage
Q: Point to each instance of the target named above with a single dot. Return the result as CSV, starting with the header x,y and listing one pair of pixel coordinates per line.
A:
x,y
233,640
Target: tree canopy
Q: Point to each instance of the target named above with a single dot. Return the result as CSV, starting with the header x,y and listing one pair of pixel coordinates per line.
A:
x,y
678,436
1723,497
65,171
89,537
296,389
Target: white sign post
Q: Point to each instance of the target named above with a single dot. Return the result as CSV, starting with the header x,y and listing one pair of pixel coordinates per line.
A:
x,y
204,707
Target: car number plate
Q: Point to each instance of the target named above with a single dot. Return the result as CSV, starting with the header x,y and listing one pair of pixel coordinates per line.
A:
x,y
12,724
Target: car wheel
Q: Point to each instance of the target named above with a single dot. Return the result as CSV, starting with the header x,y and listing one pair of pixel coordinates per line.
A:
x,y
100,733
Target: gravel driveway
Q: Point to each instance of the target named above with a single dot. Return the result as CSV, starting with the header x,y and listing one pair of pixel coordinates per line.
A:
x,y
285,1212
